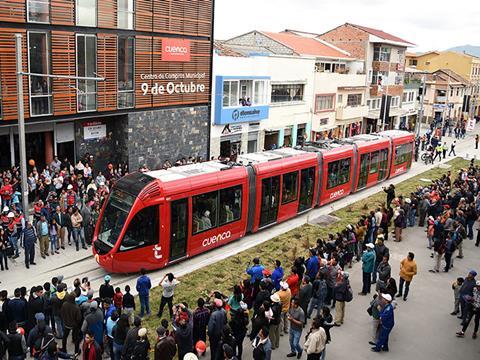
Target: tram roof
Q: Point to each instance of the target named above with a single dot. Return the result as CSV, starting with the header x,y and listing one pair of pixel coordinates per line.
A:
x,y
208,167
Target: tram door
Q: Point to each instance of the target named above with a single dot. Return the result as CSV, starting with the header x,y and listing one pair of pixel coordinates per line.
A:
x,y
178,229
363,176
270,200
307,184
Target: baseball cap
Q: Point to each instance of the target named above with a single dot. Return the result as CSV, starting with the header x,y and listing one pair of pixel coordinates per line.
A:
x,y
284,285
142,332
107,278
275,298
387,297
370,246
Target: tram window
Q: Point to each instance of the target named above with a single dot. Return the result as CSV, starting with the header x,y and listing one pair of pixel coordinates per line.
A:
x,y
230,204
373,162
290,187
403,153
142,230
383,164
338,173
204,211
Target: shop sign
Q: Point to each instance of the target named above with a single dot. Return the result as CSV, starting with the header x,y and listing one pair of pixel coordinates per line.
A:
x,y
470,125
232,129
173,83
175,50
94,130
241,114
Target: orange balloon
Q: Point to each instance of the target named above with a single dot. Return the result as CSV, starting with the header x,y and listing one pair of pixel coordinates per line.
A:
x,y
200,346
31,162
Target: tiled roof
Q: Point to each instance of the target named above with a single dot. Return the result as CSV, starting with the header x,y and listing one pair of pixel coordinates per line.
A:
x,y
223,50
381,34
307,46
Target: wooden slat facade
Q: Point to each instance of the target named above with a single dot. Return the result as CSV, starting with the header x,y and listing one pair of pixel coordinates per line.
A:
x,y
107,14
8,72
185,17
107,68
13,10
62,12
64,63
143,65
144,15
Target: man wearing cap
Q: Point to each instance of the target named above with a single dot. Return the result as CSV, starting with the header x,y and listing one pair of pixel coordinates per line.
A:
x,y
165,348
275,321
106,289
29,239
387,322
368,265
473,310
285,297
218,319
466,291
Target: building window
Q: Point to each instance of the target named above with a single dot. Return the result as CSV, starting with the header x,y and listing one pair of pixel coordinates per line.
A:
x,y
395,102
86,67
38,11
354,100
404,97
411,96
324,103
413,62
86,12
379,77
241,92
38,63
381,53
324,121
125,62
331,67
338,173
287,93
125,11
340,99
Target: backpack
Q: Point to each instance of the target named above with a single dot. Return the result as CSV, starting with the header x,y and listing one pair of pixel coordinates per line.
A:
x,y
349,294
41,344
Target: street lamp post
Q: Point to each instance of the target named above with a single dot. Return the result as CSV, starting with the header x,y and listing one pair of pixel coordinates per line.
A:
x,y
21,114
422,96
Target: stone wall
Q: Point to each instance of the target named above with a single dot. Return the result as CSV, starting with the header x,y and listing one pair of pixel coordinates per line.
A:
x,y
158,135
111,148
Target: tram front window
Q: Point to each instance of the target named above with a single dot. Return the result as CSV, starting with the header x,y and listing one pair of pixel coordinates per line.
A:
x,y
114,216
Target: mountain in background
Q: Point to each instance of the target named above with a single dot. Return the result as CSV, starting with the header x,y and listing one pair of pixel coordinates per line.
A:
x,y
469,49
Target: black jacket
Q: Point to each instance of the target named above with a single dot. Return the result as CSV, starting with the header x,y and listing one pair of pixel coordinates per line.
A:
x,y
71,314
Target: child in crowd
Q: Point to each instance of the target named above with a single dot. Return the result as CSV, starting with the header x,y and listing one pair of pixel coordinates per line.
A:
x,y
457,284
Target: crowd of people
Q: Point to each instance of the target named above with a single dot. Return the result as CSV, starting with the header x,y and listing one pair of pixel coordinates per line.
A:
x,y
66,202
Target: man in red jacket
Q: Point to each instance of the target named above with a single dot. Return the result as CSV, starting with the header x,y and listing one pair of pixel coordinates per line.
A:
x,y
6,191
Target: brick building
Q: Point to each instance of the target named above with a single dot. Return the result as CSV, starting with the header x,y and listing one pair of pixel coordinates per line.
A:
x,y
153,105
384,57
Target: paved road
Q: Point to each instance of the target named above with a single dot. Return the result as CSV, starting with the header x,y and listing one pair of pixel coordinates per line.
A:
x,y
72,264
424,328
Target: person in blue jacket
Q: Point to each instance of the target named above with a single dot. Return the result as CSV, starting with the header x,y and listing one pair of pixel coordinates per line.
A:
x,y
368,266
143,288
277,274
255,271
312,264
387,321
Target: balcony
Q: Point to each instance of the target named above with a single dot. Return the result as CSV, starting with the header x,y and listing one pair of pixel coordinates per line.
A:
x,y
351,112
440,99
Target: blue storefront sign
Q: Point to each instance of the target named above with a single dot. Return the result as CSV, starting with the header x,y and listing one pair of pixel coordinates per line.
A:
x,y
237,114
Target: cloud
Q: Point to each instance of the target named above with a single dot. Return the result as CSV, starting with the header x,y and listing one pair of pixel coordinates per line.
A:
x,y
422,22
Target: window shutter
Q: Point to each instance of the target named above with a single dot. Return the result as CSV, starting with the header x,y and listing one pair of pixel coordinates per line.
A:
x,y
107,68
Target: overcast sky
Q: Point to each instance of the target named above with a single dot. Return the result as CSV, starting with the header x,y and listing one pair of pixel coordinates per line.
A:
x,y
427,23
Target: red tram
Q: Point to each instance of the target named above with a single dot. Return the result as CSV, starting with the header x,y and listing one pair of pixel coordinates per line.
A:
x,y
154,219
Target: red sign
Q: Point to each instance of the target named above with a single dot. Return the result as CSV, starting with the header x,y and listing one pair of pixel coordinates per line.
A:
x,y
175,50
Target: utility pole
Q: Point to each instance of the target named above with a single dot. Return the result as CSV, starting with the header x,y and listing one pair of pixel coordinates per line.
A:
x,y
21,114
420,111
21,124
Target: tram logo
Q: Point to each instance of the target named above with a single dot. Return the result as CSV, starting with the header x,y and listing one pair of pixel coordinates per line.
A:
x,y
157,252
336,194
399,170
216,238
